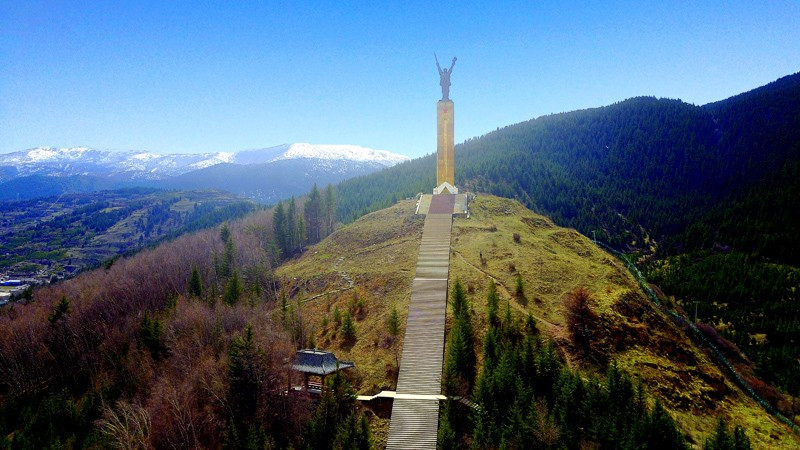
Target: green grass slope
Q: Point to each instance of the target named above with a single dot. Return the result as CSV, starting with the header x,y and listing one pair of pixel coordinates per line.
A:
x,y
634,334
364,269
378,253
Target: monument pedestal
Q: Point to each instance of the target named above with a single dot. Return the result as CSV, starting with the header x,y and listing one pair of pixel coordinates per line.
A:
x,y
445,172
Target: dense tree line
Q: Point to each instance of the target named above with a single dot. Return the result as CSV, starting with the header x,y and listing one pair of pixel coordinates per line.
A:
x,y
459,368
172,347
294,228
175,346
335,423
526,398
747,297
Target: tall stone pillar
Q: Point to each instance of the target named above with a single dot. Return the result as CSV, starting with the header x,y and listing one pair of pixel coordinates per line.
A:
x,y
444,143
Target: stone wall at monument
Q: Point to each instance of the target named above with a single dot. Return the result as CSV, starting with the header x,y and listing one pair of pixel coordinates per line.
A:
x,y
444,143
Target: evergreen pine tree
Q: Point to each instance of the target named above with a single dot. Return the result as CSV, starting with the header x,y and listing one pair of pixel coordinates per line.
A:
x,y
348,328
224,233
244,374
291,228
233,290
519,291
279,227
335,407
330,209
284,304
530,325
62,308
458,300
492,302
150,331
740,439
300,234
661,432
446,437
353,433
195,283
490,349
393,323
313,216
460,357
722,439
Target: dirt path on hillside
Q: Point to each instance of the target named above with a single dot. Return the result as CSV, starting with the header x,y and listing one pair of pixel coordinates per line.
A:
x,y
345,279
345,276
504,290
557,331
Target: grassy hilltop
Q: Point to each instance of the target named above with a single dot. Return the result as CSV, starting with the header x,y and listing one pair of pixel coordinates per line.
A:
x,y
641,340
378,253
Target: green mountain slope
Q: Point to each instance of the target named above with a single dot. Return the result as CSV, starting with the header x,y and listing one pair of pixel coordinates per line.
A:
x,y
504,242
708,195
640,170
377,253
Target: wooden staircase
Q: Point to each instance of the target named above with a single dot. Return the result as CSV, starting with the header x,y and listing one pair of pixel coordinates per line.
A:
x,y
415,417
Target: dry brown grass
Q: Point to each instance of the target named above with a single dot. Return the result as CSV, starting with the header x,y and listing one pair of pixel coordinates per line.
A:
x,y
640,339
379,252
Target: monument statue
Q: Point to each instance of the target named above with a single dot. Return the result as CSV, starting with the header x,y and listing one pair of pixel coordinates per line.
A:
x,y
445,165
444,77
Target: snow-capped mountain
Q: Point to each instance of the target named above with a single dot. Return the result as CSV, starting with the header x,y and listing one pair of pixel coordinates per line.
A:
x,y
153,166
323,152
88,161
267,174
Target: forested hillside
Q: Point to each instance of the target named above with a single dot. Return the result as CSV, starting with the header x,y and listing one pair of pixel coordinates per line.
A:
x,y
176,346
708,196
639,170
527,281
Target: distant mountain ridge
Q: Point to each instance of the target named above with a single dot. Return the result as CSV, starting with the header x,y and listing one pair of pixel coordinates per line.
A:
x,y
50,161
46,171
154,166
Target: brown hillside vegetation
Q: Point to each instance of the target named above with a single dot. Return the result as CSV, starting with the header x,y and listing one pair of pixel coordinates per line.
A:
x,y
502,240
364,269
133,345
377,254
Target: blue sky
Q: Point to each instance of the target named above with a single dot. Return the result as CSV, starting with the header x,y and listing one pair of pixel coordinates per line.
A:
x,y
170,76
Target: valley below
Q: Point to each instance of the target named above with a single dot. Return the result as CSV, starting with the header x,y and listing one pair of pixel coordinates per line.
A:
x,y
51,239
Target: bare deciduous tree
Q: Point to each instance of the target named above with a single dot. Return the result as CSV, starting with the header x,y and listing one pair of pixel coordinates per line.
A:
x,y
127,425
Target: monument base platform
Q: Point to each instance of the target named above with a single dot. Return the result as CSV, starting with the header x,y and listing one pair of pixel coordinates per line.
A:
x,y
460,204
